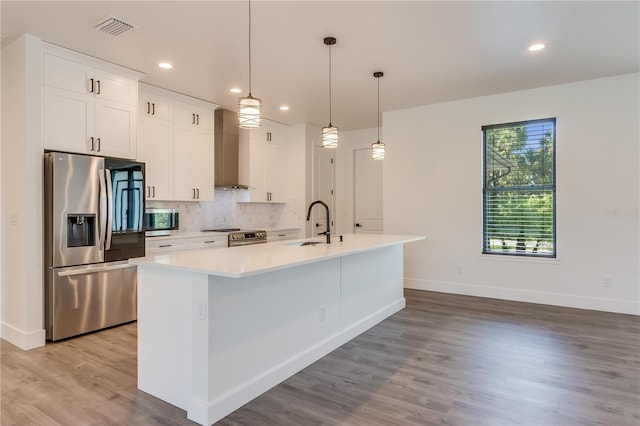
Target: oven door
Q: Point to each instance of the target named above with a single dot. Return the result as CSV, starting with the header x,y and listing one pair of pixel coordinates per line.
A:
x,y
246,242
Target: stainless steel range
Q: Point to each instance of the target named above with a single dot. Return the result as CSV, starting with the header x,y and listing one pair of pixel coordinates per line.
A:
x,y
245,238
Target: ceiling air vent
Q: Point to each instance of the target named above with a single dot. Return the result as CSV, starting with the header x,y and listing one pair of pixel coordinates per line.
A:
x,y
114,26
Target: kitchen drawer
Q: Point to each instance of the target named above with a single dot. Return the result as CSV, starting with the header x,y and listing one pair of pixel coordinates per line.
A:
x,y
287,234
166,245
208,242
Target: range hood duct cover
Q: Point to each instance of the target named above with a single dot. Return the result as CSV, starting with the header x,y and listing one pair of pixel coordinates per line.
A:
x,y
227,150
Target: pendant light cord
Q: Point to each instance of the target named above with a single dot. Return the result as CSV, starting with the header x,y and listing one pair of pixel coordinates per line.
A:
x,y
249,47
378,78
329,85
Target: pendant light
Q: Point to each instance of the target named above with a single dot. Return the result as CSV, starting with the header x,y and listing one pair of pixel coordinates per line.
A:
x,y
330,132
377,148
249,111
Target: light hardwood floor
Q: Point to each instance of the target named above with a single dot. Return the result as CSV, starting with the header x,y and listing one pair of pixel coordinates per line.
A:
x,y
445,359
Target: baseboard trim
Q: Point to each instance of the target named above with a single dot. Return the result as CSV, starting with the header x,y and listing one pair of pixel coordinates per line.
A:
x,y
23,340
545,298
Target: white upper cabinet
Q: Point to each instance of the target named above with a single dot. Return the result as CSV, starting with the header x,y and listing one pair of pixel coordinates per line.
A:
x,y
193,152
154,106
155,142
176,143
155,149
89,106
267,167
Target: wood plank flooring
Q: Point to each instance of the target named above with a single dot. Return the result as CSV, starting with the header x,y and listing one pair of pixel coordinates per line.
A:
x,y
444,360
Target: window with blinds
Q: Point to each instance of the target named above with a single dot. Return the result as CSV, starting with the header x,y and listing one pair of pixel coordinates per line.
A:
x,y
519,190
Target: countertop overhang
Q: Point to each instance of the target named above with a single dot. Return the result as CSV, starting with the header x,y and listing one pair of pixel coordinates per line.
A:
x,y
239,262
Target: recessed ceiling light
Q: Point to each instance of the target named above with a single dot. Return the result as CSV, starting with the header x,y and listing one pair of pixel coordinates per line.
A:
x,y
165,65
536,47
284,108
236,90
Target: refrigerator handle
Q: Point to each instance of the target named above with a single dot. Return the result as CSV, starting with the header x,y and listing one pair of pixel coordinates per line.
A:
x,y
109,233
102,230
72,272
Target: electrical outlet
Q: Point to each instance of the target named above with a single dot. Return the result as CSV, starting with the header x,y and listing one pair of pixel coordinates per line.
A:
x,y
607,282
201,310
322,313
459,269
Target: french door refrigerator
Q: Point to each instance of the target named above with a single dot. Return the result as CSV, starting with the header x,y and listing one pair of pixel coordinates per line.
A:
x,y
94,222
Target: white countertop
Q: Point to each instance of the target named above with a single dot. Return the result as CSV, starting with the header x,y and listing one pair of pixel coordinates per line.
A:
x,y
238,262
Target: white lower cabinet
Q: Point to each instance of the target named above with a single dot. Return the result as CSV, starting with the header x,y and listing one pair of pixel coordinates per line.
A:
x,y
160,245
156,245
282,235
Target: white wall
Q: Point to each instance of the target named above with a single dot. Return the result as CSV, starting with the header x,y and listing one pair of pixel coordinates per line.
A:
x,y
21,216
433,187
349,142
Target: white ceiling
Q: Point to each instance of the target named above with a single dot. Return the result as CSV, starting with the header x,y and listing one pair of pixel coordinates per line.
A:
x,y
429,51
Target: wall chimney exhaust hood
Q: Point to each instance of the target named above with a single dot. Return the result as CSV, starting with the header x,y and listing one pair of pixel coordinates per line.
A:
x,y
227,150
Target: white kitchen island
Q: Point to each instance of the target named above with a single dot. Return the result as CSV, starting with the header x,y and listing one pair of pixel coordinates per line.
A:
x,y
216,328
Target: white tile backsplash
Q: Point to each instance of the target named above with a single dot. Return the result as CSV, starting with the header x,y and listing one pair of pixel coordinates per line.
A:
x,y
225,212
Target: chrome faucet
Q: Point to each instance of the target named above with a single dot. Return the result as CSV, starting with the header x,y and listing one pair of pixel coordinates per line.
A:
x,y
328,231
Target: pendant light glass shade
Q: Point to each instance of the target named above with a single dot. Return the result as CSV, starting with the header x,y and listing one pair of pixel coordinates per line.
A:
x,y
330,136
249,108
249,112
330,132
377,148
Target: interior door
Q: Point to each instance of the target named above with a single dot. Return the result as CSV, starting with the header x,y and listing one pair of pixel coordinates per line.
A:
x,y
367,198
323,182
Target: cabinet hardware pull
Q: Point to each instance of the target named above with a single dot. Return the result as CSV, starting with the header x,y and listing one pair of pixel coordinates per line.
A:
x,y
165,245
154,191
91,91
198,189
193,119
92,144
282,235
98,142
153,108
193,196
148,107
148,191
197,119
209,242
97,87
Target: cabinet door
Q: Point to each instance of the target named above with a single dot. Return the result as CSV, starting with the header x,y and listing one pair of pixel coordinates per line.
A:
x,y
202,164
68,105
68,75
257,171
115,126
276,172
156,137
68,120
112,87
185,114
155,106
182,188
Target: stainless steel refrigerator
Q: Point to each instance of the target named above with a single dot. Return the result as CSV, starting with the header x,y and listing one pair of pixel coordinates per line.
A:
x,y
94,222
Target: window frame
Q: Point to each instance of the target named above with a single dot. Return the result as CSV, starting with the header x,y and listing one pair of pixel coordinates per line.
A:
x,y
486,246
